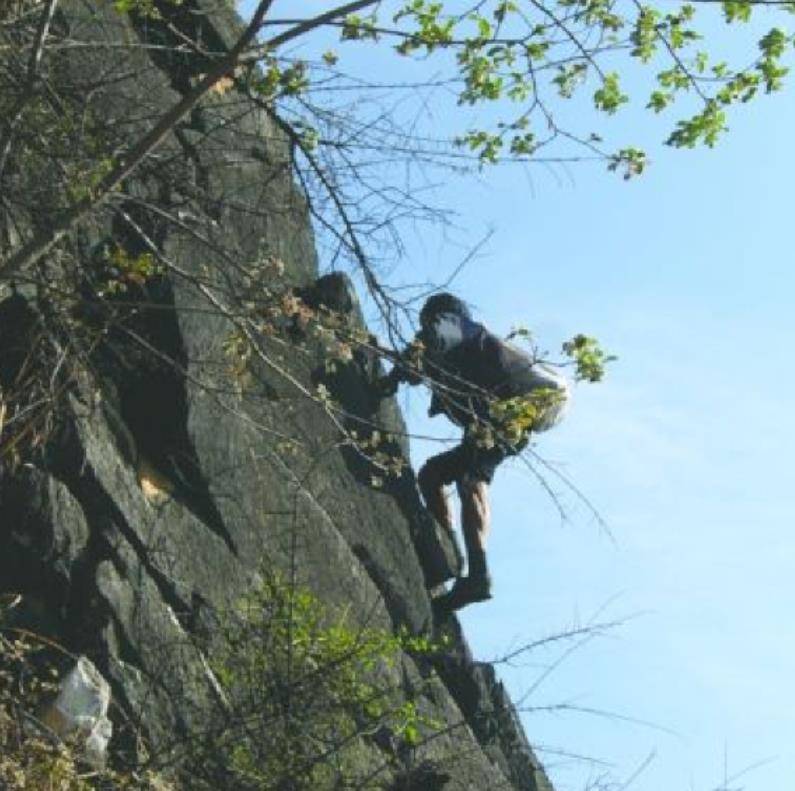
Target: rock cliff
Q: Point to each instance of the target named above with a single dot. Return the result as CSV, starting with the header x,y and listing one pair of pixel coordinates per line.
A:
x,y
179,447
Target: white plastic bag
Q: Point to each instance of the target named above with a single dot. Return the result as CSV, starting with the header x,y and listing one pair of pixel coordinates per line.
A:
x,y
82,705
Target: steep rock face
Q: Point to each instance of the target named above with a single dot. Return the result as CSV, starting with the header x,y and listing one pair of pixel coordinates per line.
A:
x,y
244,468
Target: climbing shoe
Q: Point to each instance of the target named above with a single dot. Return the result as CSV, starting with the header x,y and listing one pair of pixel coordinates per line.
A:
x,y
465,590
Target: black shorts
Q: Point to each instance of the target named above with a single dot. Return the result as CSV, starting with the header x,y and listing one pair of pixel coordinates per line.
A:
x,y
469,460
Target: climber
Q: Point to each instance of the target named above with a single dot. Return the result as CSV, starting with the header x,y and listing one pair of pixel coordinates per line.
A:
x,y
498,394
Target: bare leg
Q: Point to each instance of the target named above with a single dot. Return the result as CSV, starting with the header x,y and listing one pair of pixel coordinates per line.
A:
x,y
475,524
432,488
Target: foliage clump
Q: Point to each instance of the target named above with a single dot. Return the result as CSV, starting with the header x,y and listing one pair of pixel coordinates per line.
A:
x,y
305,689
517,416
588,356
124,270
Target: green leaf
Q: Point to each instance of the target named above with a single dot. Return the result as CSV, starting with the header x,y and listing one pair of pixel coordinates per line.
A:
x,y
644,36
737,10
608,98
588,356
659,100
704,127
774,43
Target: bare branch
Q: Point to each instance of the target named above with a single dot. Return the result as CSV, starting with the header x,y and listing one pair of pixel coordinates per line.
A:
x,y
26,92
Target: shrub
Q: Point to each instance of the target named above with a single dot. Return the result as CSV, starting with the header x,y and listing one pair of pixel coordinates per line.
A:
x,y
304,690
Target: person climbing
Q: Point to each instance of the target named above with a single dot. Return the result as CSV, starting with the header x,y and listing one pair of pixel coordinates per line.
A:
x,y
498,394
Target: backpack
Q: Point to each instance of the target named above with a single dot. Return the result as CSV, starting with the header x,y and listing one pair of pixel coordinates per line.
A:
x,y
470,360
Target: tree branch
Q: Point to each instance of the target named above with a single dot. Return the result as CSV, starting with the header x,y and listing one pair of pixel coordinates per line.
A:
x,y
33,69
318,21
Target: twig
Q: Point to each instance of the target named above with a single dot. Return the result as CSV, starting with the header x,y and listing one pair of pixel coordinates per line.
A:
x,y
27,91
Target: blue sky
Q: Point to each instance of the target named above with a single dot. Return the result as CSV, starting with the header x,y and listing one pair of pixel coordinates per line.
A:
x,y
685,449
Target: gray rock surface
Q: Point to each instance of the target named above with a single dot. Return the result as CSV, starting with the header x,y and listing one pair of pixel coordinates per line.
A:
x,y
256,470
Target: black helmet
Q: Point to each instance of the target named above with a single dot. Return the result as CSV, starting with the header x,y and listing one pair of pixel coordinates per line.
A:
x,y
442,303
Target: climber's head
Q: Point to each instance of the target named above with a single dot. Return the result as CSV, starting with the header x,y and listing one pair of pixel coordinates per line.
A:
x,y
440,304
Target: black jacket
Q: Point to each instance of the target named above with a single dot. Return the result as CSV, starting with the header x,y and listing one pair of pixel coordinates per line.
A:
x,y
467,367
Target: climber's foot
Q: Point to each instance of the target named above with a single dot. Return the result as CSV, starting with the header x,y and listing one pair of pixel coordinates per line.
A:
x,y
465,590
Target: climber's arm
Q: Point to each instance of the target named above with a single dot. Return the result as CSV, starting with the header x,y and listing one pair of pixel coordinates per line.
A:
x,y
406,369
387,385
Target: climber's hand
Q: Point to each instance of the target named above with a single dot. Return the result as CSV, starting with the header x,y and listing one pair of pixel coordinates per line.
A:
x,y
386,386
